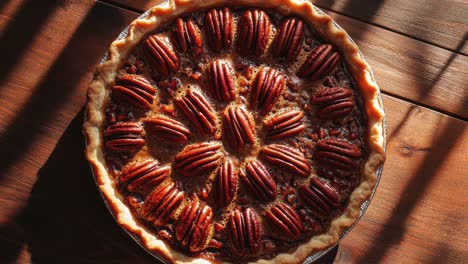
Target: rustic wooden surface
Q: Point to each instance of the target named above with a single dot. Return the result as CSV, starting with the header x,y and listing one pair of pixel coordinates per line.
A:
x,y
51,212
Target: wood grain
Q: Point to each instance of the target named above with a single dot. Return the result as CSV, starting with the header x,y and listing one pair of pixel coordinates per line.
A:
x,y
404,67
419,211
49,66
51,211
443,23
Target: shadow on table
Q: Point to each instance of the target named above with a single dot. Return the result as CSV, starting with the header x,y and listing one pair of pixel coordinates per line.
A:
x,y
62,80
20,31
395,228
65,220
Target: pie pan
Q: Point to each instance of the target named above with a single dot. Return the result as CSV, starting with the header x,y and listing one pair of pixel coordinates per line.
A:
x,y
309,259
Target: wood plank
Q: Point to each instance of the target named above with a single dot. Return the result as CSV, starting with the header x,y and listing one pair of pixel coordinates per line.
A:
x,y
48,69
443,23
419,211
405,67
411,69
56,215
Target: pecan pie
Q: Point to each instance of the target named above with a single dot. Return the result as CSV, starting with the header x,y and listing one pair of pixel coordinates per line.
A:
x,y
235,131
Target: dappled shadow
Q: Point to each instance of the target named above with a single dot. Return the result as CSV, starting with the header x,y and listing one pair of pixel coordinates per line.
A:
x,y
62,80
364,12
353,8
12,241
66,220
424,92
20,32
395,228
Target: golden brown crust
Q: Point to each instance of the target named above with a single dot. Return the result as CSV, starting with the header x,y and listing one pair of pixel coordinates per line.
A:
x,y
360,70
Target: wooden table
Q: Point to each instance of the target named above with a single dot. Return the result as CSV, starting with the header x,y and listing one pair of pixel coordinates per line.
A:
x,y
51,211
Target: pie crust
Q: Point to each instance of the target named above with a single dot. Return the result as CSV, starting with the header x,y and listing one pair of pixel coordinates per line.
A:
x,y
359,69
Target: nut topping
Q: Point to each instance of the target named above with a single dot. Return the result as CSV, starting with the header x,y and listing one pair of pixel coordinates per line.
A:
x,y
266,89
164,58
288,40
233,134
286,220
259,181
221,81
287,158
135,90
142,177
123,137
188,37
219,29
167,129
161,203
253,33
285,125
194,225
197,159
334,102
198,111
245,231
321,61
238,128
337,154
226,178
320,197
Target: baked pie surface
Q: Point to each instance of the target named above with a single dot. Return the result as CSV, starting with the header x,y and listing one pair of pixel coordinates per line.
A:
x,y
235,131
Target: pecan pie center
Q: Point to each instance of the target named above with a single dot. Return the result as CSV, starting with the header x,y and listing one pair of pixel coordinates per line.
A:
x,y
235,134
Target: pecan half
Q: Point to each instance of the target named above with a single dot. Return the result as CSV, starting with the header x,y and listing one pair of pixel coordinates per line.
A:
x,y
135,90
288,40
337,154
188,37
320,197
198,158
226,178
167,129
219,29
287,158
253,33
266,89
123,137
333,102
194,225
259,181
321,61
245,232
238,128
286,220
161,203
221,81
164,58
198,111
142,177
285,125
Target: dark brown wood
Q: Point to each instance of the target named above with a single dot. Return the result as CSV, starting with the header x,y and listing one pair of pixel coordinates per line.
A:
x,y
411,69
51,211
50,50
418,212
443,23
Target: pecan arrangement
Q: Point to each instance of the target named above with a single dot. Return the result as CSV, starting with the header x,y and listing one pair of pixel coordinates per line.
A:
x,y
218,148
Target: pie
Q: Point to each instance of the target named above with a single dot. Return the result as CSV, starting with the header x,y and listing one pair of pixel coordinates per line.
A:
x,y
235,131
